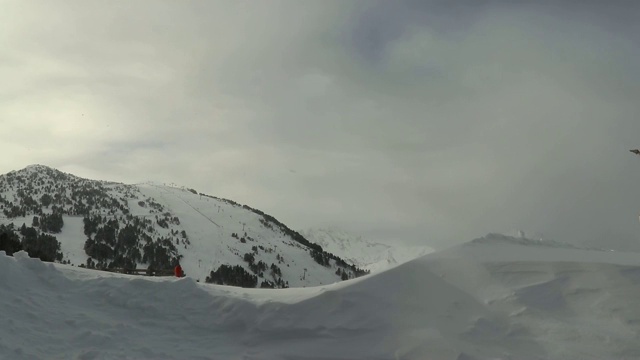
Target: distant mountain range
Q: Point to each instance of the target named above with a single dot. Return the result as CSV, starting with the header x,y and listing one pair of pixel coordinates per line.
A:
x,y
365,254
106,225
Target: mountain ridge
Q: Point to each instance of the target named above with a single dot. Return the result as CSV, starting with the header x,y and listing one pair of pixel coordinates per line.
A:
x,y
111,225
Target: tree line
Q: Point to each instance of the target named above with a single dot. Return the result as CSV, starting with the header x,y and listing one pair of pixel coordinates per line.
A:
x,y
37,244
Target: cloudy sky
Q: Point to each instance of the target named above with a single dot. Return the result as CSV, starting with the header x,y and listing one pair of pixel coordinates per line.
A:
x,y
425,122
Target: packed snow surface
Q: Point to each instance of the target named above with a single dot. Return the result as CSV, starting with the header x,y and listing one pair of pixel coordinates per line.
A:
x,y
493,298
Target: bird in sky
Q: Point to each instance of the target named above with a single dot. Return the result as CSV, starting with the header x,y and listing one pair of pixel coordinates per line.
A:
x,y
635,151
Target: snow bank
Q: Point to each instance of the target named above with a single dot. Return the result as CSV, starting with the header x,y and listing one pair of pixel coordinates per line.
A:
x,y
484,300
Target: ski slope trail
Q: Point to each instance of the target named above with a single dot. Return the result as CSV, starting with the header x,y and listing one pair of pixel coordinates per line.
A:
x,y
164,191
495,298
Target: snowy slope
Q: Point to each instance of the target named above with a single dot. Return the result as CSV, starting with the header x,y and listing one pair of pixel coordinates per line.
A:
x,y
203,231
365,254
494,298
209,223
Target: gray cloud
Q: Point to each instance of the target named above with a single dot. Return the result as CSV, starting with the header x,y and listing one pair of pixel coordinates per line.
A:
x,y
410,121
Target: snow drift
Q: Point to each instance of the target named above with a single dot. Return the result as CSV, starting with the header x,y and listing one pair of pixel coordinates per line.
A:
x,y
494,298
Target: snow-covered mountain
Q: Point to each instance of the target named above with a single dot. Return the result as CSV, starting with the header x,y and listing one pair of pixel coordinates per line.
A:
x,y
494,298
104,225
365,254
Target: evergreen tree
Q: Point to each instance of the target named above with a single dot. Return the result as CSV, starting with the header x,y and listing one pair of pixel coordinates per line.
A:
x,y
45,200
9,241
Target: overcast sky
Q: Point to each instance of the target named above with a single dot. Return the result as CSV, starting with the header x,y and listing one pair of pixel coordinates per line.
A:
x,y
425,122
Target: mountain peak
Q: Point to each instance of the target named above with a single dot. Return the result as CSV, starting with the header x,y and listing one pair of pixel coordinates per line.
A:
x,y
36,168
37,173
32,168
110,226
